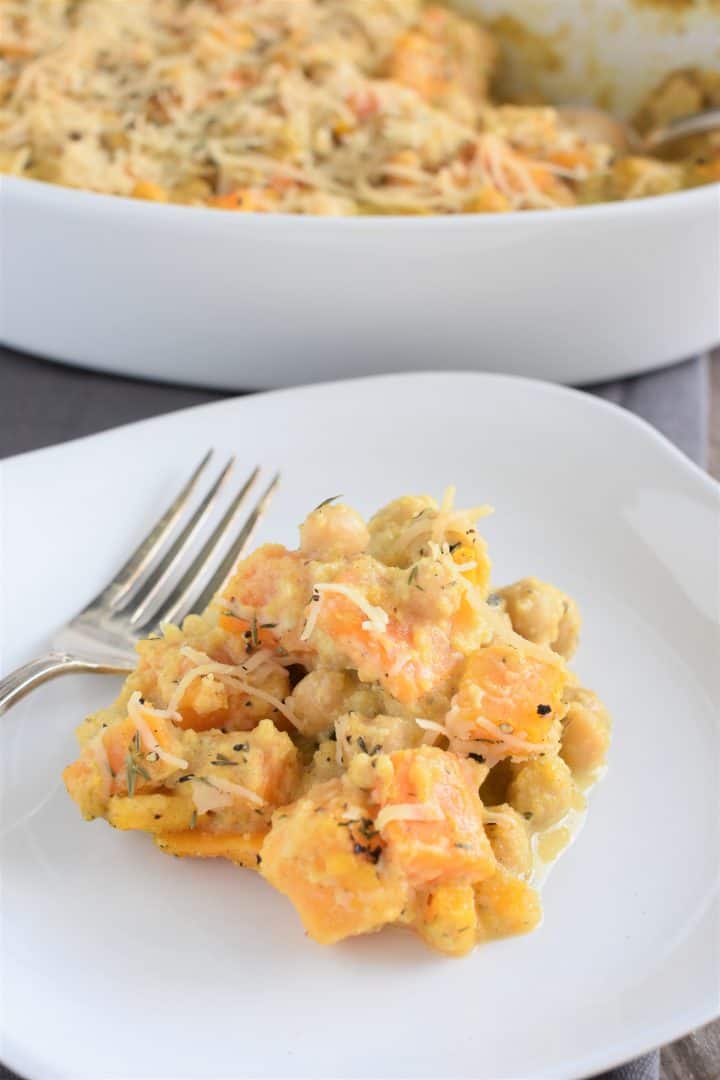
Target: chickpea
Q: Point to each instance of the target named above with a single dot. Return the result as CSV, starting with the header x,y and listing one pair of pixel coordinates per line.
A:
x,y
389,524
507,832
318,699
542,791
586,734
505,905
333,532
568,634
324,766
368,700
447,919
434,592
543,614
365,735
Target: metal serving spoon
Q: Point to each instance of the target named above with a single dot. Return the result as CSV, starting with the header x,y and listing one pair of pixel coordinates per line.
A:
x,y
596,125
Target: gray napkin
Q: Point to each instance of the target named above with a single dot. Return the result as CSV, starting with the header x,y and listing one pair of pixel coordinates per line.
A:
x,y
42,404
644,1068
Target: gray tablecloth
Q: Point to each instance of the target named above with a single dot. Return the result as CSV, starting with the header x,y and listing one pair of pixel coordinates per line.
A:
x,y
42,404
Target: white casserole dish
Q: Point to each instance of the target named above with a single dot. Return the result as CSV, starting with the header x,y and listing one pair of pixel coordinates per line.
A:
x,y
246,301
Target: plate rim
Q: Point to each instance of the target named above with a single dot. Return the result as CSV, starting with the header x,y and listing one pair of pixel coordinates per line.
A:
x,y
54,196
580,396
33,1068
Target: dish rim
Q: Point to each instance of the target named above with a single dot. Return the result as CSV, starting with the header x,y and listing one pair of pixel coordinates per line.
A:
x,y
92,203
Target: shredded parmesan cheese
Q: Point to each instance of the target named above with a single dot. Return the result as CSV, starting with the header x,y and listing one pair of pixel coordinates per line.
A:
x,y
438,525
493,750
431,731
430,725
511,741
256,660
136,708
97,748
310,621
216,793
237,790
206,797
448,499
228,673
376,621
501,627
399,663
499,817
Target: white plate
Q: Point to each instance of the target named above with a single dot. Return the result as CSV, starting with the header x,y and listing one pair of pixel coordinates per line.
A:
x,y
121,963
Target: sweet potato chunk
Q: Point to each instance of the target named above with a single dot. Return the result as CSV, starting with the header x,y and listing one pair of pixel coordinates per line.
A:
x,y
273,585
240,848
506,905
447,919
151,813
508,701
446,60
451,846
325,854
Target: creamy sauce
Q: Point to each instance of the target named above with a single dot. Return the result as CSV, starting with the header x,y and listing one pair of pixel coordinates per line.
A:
x,y
549,844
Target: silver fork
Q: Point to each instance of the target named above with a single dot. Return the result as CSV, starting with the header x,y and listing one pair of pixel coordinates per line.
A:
x,y
142,595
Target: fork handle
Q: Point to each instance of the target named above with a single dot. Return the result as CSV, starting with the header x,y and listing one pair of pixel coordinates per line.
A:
x,y
25,678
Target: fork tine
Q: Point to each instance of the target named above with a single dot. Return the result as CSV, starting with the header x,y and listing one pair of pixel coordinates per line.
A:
x,y
239,546
143,599
147,549
180,599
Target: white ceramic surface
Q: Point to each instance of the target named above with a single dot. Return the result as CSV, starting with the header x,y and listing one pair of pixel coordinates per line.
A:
x,y
189,294
245,301
610,51
118,962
